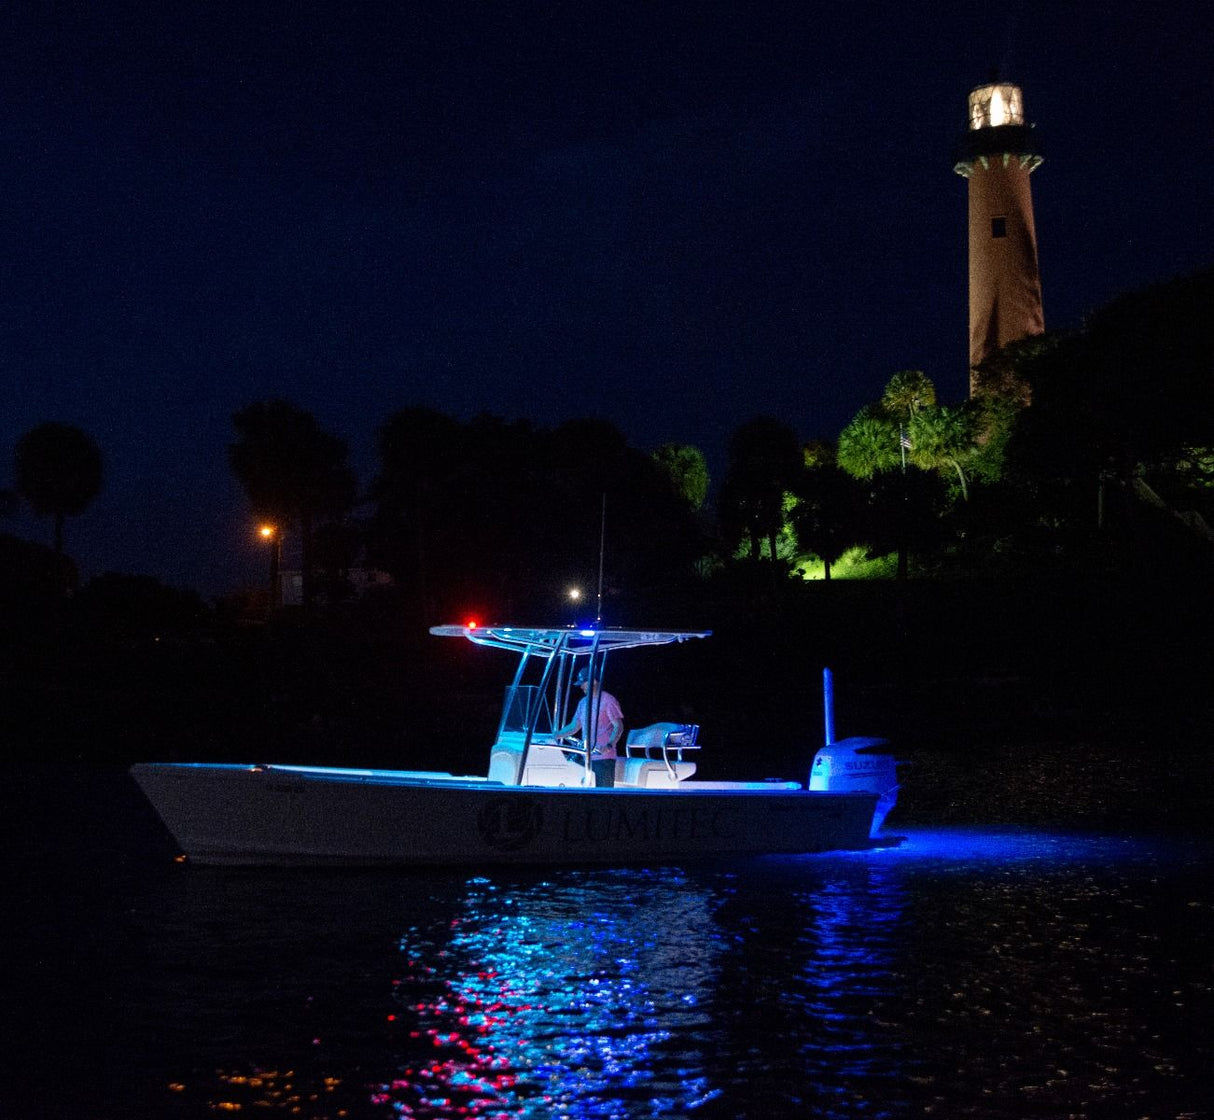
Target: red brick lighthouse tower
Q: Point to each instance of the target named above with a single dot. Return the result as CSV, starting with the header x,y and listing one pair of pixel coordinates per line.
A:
x,y
996,153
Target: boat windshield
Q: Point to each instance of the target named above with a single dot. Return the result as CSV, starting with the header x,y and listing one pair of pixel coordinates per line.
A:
x,y
526,710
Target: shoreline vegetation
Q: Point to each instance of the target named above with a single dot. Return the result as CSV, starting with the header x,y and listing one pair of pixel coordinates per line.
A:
x,y
1076,703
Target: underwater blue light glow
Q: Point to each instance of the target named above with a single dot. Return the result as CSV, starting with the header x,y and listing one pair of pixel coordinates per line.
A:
x,y
970,845
1015,845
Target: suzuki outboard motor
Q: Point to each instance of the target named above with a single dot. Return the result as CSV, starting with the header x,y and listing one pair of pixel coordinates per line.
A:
x,y
858,765
855,765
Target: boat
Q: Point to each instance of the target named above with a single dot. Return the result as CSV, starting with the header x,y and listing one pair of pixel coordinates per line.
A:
x,y
540,800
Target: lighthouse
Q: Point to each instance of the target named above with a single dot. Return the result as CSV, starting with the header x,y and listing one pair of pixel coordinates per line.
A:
x,y
996,154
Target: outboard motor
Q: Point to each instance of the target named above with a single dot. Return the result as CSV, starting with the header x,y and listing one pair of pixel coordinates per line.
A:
x,y
855,765
858,765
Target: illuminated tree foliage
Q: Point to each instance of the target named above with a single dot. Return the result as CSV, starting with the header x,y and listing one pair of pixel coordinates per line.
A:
x,y
59,471
944,439
908,393
870,443
908,426
687,470
909,429
1195,466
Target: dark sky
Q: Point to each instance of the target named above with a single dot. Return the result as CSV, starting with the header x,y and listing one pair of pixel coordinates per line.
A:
x,y
676,216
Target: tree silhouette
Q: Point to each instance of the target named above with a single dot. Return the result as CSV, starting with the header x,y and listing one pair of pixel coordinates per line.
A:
x,y
500,517
764,463
1129,394
871,447
59,471
292,471
1001,375
420,457
825,517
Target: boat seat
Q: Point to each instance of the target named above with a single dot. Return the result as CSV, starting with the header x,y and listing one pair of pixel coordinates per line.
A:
x,y
504,765
645,773
659,740
654,754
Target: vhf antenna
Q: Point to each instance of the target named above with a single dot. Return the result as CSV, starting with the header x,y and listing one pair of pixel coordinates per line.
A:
x,y
598,616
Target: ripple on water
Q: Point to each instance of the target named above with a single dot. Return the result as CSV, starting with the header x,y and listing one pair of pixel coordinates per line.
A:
x,y
969,972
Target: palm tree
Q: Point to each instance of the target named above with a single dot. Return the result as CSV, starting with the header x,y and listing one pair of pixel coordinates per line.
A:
x,y
764,463
942,439
59,472
825,516
869,444
292,471
907,393
873,444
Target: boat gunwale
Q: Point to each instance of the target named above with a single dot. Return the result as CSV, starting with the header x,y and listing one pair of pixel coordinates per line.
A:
x,y
435,780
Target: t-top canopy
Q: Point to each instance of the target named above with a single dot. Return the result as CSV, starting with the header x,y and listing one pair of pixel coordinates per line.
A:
x,y
547,641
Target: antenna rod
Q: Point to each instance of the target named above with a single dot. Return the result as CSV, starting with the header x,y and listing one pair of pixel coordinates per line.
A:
x,y
828,704
598,618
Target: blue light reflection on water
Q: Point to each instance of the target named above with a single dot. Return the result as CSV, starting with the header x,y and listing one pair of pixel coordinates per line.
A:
x,y
560,995
969,972
813,971
1010,972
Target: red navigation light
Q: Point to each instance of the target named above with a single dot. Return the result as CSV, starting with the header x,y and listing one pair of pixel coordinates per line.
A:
x,y
472,624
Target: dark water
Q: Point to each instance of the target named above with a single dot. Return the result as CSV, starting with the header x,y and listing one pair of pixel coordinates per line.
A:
x,y
991,972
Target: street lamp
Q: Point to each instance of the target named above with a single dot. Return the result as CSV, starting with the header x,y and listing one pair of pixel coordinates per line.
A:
x,y
573,596
273,535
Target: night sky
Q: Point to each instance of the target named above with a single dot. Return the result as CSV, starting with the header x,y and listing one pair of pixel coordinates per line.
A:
x,y
674,216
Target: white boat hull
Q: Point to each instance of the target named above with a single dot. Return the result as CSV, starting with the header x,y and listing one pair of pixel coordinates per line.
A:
x,y
316,816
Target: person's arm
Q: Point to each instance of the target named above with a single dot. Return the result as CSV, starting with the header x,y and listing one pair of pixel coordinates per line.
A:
x,y
573,726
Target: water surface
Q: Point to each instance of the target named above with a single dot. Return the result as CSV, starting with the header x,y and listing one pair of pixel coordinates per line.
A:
x,y
970,972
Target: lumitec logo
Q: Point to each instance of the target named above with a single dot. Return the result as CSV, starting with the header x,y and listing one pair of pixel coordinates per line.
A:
x,y
510,823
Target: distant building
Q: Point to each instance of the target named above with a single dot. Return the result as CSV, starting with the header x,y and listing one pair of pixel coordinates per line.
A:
x,y
996,154
355,583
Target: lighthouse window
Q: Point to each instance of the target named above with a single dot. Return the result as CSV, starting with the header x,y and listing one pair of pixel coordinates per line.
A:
x,y
999,227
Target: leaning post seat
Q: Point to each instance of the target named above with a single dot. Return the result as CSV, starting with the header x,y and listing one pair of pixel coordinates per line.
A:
x,y
505,764
654,754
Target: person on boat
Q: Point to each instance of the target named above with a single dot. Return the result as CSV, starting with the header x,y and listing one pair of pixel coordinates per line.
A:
x,y
609,727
